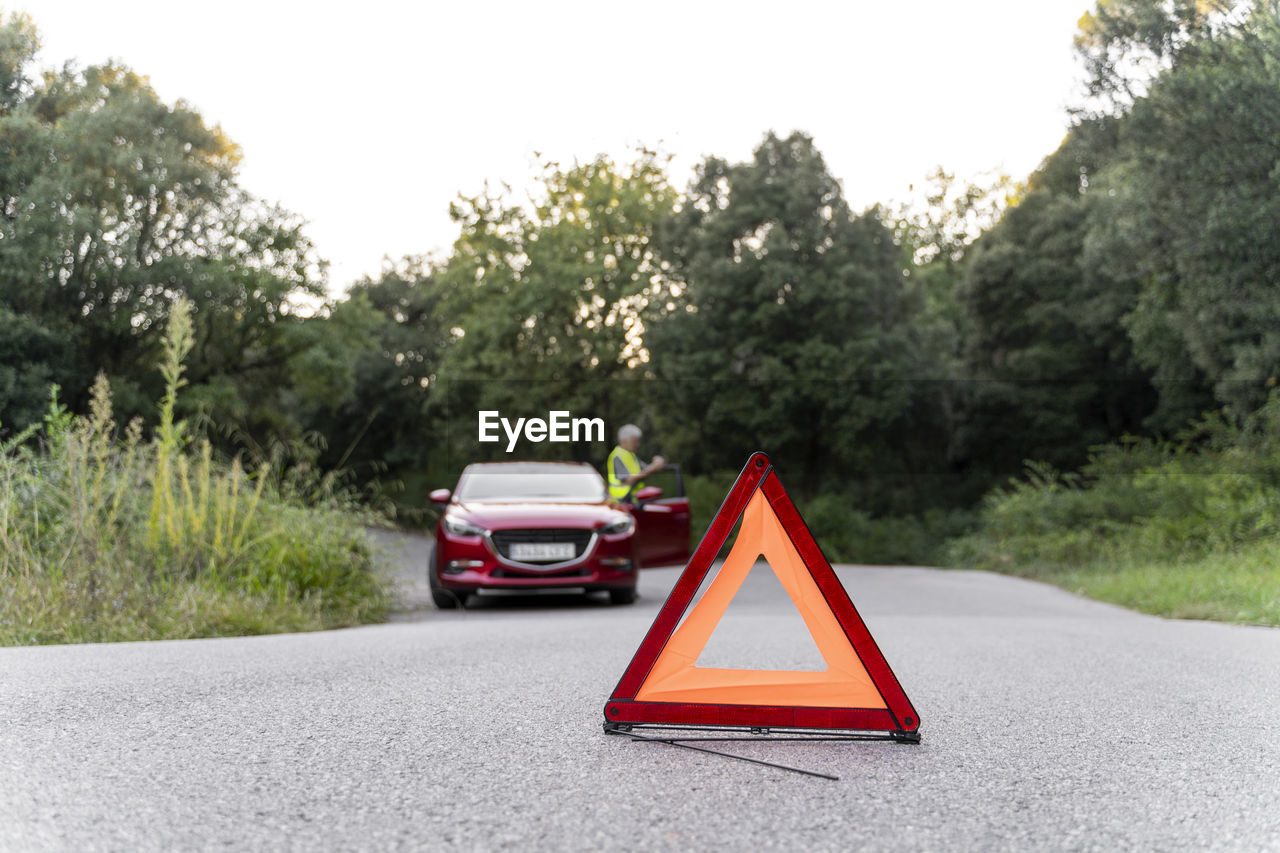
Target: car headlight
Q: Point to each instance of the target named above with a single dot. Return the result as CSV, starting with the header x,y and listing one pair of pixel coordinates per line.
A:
x,y
625,524
458,527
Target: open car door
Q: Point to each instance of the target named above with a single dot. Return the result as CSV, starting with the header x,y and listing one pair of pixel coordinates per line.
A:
x,y
662,520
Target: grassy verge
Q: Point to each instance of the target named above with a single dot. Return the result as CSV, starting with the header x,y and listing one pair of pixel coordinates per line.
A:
x,y
1234,587
1188,528
1240,586
107,537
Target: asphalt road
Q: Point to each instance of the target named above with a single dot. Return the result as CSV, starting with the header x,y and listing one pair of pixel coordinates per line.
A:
x,y
1049,722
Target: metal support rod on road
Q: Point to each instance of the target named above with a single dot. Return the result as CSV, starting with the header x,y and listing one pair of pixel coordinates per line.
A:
x,y
678,742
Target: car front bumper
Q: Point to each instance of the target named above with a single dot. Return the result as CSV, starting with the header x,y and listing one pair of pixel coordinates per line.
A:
x,y
472,563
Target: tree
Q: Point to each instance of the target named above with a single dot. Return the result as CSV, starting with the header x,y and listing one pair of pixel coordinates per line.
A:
x,y
1125,44
19,42
1193,214
112,203
790,325
109,183
381,428
1051,367
31,358
937,233
548,300
943,225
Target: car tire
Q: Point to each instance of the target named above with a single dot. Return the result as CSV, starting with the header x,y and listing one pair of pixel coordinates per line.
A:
x,y
622,596
443,599
447,599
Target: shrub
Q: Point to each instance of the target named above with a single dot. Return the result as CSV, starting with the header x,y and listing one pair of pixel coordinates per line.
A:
x,y
113,537
1214,489
845,533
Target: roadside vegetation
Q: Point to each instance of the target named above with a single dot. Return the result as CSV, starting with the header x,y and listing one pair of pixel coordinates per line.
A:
x,y
1187,528
898,363
109,535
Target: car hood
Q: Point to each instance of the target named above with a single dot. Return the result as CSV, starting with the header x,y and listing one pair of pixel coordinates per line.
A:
x,y
496,516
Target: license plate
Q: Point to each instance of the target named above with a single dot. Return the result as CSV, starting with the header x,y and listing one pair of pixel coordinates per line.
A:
x,y
543,551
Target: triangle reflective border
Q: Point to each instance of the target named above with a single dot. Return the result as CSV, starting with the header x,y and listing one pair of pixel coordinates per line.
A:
x,y
663,686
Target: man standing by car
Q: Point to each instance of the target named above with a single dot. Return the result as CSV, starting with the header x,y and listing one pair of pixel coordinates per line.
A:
x,y
624,469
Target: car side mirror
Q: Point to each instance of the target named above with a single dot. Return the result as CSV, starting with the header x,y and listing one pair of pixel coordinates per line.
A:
x,y
648,493
440,497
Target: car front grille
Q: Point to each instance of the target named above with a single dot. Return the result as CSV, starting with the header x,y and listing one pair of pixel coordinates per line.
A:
x,y
503,540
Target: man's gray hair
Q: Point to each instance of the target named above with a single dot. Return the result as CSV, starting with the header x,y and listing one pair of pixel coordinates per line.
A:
x,y
627,431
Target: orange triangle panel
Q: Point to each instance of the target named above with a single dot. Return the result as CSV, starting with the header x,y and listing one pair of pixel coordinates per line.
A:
x,y
663,684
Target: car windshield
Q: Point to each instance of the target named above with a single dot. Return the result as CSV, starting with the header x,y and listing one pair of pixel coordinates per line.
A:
x,y
531,483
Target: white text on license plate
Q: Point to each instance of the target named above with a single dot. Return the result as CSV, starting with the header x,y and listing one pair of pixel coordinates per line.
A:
x,y
543,551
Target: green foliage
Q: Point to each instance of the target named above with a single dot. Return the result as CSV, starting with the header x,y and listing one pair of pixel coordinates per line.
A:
x,y
1124,44
894,365
937,236
1052,367
557,290
789,322
104,537
1131,287
846,534
706,494
1144,248
379,428
19,42
30,360
1204,498
849,535
1191,216
114,203
546,305
943,224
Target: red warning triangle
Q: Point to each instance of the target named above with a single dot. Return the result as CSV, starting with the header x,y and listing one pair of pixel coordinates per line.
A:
x,y
663,684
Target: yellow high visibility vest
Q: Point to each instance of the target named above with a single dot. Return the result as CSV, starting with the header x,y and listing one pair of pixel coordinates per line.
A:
x,y
618,489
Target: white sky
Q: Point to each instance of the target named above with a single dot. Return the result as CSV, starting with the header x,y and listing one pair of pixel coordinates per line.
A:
x,y
369,118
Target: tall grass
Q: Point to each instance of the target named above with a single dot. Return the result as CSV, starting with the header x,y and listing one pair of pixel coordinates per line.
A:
x,y
1188,527
113,536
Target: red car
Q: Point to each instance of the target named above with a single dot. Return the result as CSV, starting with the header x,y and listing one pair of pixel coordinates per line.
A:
x,y
550,525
